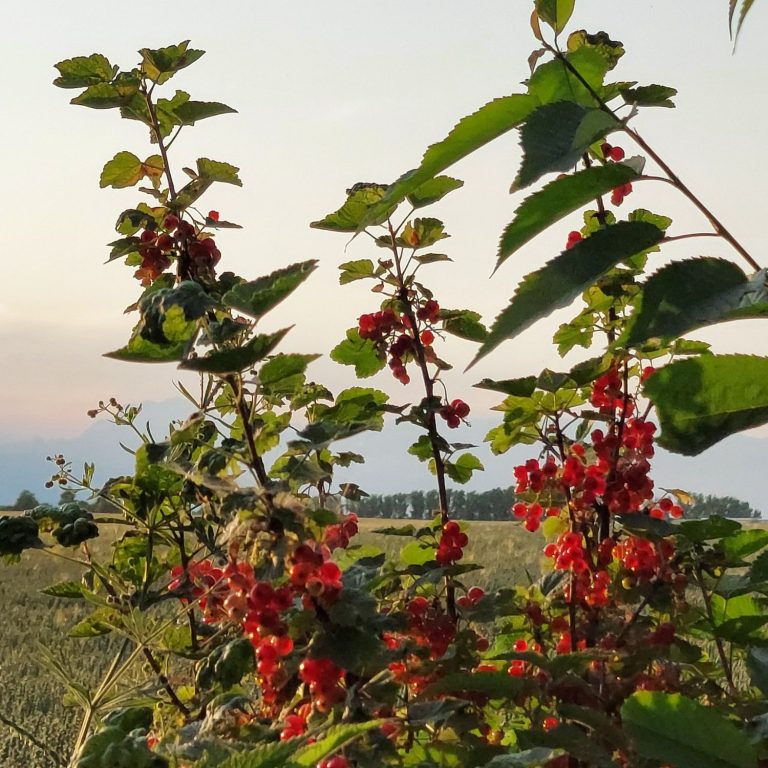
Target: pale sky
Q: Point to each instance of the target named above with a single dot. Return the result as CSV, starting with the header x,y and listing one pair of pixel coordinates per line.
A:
x,y
330,94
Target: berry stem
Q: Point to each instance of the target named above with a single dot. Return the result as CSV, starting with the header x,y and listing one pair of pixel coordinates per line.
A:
x,y
429,390
717,225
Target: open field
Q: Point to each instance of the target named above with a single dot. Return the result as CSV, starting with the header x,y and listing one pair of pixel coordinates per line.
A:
x,y
32,698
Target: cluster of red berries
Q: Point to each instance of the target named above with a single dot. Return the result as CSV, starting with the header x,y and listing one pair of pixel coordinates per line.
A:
x,y
629,485
531,476
450,548
312,572
429,626
158,248
395,338
643,559
473,597
531,514
337,536
612,153
325,682
454,412
608,394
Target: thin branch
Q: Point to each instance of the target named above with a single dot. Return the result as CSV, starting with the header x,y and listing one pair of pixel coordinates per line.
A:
x,y
32,739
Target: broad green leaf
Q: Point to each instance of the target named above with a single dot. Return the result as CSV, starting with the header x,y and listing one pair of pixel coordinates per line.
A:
x,y
555,12
355,410
564,278
257,297
355,213
674,729
433,190
702,400
420,233
105,96
708,529
126,170
556,200
522,387
355,270
161,64
237,359
82,71
555,137
334,739
460,471
472,132
140,350
123,247
214,170
422,448
693,293
555,81
362,353
463,323
284,373
649,95
191,111
744,543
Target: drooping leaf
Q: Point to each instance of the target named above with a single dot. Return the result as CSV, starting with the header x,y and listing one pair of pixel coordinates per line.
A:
x,y
355,270
704,399
555,12
556,200
556,81
237,359
564,278
693,293
463,323
82,71
433,190
126,170
356,212
472,132
461,470
676,730
215,170
555,136
161,64
72,590
256,297
191,111
649,95
140,350
362,353
106,95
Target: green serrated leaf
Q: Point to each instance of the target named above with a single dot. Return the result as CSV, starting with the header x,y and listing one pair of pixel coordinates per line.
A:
x,y
555,12
257,297
461,470
555,80
433,190
72,590
555,136
283,374
472,132
334,739
463,323
191,111
215,170
362,353
693,293
140,350
564,278
123,170
356,210
649,96
676,730
497,685
237,359
556,200
161,64
355,270
82,71
702,400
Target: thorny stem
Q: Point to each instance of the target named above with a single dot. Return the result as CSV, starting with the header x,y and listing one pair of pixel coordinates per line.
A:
x,y
717,225
429,390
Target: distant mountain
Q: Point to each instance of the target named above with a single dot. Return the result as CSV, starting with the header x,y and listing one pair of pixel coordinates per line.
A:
x,y
734,467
